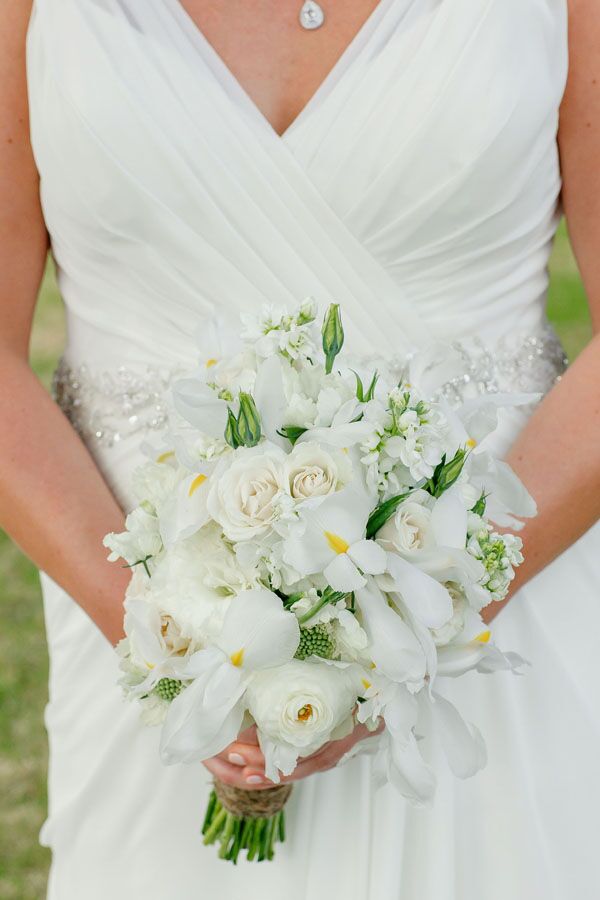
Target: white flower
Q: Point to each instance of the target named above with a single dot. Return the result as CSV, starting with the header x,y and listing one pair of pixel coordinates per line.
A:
x,y
331,540
140,541
154,482
298,707
195,579
257,633
349,639
312,471
455,625
245,493
409,530
275,331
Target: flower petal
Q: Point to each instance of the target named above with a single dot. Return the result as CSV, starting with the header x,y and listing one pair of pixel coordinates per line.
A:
x,y
426,598
368,556
395,649
342,574
462,742
258,632
449,520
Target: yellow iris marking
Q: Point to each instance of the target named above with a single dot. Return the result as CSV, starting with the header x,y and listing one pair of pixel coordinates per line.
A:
x,y
471,443
237,658
165,456
373,665
482,638
337,543
211,362
305,712
198,480
366,684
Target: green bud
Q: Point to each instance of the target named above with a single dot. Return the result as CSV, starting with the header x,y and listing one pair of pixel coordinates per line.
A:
x,y
333,335
479,508
248,423
447,472
231,431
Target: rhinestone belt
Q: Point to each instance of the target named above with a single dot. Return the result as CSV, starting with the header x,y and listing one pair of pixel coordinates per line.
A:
x,y
106,407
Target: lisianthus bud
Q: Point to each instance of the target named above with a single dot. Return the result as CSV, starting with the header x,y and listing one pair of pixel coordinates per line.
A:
x,y
248,423
231,431
333,335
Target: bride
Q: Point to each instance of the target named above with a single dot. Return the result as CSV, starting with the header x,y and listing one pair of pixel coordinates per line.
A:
x,y
402,157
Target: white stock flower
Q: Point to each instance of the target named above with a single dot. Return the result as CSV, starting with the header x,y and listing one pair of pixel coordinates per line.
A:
x,y
139,541
298,707
246,490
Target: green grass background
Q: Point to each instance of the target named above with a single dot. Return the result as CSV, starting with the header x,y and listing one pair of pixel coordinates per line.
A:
x,y
23,658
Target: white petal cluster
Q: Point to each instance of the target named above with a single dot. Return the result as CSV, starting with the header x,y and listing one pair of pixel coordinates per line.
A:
x,y
312,548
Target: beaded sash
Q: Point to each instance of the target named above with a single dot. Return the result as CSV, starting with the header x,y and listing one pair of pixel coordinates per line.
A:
x,y
106,407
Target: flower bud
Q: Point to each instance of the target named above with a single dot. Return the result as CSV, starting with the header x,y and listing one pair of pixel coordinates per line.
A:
x,y
231,430
248,423
333,335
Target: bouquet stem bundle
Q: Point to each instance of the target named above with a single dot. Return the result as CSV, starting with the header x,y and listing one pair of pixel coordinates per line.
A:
x,y
245,820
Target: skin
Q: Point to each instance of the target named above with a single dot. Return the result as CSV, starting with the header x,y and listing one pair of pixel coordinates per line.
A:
x,y
53,500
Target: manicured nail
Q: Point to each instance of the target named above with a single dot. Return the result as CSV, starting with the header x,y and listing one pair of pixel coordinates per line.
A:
x,y
236,759
254,779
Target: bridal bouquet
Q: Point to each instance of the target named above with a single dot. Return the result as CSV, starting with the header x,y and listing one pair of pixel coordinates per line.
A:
x,y
312,549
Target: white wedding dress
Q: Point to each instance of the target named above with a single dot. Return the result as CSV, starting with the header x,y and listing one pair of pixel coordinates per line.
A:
x,y
419,187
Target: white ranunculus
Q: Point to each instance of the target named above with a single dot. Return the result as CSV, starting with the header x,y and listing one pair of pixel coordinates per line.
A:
x,y
246,492
311,471
302,705
408,531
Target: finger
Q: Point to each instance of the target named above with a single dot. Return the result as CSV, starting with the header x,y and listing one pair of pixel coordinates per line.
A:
x,y
235,776
249,736
242,754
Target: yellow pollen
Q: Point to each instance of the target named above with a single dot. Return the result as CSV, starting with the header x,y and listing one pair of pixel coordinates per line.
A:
x,y
305,712
366,684
471,443
344,450
237,658
482,638
165,456
337,544
373,665
198,480
211,362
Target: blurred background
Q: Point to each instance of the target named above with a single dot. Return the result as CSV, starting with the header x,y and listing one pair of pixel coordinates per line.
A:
x,y
23,659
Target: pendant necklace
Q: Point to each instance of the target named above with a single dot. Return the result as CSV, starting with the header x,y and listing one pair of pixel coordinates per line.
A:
x,y
311,15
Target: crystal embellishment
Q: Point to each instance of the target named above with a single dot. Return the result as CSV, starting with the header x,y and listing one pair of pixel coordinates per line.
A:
x,y
107,407
311,15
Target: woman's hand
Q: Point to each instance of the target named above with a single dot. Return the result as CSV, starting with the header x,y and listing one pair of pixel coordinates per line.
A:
x,y
242,764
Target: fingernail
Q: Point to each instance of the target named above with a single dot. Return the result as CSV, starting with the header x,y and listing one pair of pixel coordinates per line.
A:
x,y
236,759
254,779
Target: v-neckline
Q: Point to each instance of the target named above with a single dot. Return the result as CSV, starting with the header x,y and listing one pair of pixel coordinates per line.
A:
x,y
324,89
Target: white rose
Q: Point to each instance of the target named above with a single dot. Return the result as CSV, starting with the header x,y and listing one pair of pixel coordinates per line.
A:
x,y
302,703
311,471
244,498
408,531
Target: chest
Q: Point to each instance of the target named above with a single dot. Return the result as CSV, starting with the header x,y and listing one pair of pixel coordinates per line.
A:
x,y
279,63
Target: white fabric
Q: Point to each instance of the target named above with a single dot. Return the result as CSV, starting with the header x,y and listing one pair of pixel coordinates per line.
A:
x,y
419,188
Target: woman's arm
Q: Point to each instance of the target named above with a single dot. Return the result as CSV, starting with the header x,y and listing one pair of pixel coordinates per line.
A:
x,y
558,453
53,500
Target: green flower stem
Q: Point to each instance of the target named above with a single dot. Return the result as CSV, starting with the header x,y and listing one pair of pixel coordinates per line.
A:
x,y
236,833
216,825
329,596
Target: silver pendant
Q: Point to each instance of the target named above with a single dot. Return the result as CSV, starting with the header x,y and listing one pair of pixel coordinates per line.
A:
x,y
311,15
